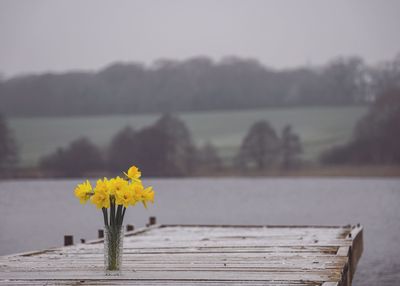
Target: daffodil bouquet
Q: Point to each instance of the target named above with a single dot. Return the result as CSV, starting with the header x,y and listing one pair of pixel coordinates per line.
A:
x,y
113,196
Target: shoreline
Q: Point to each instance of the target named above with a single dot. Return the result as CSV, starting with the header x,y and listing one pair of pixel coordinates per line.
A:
x,y
310,171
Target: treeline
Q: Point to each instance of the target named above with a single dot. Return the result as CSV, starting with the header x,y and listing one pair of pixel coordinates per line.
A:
x,y
194,84
162,149
376,138
166,149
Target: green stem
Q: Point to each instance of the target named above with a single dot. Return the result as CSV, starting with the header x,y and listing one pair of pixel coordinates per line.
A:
x,y
112,214
122,216
105,216
119,210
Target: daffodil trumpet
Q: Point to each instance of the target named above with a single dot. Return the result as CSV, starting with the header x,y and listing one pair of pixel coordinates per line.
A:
x,y
113,196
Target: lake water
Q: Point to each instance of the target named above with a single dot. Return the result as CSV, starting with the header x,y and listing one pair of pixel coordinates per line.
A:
x,y
36,214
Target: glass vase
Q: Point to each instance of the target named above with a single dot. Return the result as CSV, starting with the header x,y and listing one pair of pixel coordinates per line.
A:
x,y
113,248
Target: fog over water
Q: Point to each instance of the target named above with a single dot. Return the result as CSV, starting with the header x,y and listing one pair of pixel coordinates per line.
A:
x,y
39,212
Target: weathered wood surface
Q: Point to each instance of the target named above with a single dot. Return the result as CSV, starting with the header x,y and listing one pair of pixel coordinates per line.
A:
x,y
201,255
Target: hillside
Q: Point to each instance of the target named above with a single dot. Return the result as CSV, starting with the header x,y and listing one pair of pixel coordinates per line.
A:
x,y
319,128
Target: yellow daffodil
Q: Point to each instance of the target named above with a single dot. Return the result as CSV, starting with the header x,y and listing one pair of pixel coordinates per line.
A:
x,y
83,191
135,189
133,173
101,196
125,196
102,186
147,196
116,184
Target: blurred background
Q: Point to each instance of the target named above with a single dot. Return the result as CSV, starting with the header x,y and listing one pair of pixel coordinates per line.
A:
x,y
237,112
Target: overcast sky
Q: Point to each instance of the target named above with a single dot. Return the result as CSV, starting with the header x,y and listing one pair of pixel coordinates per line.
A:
x,y
41,35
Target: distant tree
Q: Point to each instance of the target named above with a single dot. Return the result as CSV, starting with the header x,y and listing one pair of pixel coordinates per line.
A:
x,y
209,159
376,138
123,150
79,158
342,81
291,148
8,146
166,148
260,147
152,156
385,77
181,151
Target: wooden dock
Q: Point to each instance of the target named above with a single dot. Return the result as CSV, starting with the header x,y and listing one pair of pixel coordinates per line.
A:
x,y
201,255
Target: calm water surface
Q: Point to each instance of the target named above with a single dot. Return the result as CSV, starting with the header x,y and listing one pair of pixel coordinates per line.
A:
x,y
36,214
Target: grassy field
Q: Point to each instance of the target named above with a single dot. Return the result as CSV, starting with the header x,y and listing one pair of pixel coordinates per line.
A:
x,y
319,128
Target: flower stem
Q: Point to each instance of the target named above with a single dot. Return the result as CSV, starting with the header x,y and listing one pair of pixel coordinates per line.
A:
x,y
122,216
112,214
105,216
119,218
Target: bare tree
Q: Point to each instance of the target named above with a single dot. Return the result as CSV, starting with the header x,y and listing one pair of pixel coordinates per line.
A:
x,y
166,148
376,138
181,152
123,150
291,148
260,147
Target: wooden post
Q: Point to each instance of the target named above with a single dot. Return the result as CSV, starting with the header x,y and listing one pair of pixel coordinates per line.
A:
x,y
68,240
100,233
130,227
152,220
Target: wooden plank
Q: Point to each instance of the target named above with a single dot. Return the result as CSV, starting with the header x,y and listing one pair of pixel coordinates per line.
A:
x,y
343,251
166,283
356,249
188,275
293,226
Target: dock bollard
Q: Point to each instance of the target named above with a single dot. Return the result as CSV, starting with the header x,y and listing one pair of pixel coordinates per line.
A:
x,y
83,240
100,233
130,227
152,220
68,240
